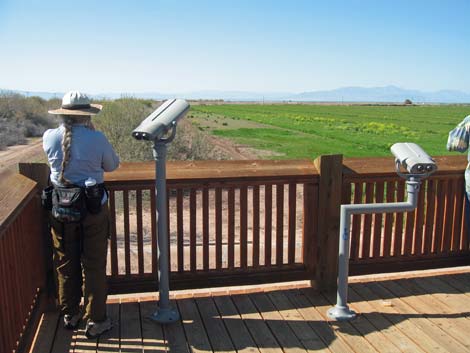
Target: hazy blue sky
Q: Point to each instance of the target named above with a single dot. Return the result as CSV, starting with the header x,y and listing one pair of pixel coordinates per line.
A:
x,y
180,46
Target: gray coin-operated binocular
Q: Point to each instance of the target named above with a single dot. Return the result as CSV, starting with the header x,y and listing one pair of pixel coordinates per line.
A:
x,y
418,165
162,120
160,127
413,158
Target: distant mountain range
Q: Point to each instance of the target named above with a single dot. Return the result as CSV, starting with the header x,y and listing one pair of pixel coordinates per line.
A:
x,y
391,94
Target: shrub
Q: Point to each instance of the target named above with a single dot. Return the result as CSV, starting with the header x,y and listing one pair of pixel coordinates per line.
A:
x,y
22,117
191,144
117,120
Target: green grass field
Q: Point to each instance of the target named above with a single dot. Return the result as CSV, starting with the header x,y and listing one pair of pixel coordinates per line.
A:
x,y
306,131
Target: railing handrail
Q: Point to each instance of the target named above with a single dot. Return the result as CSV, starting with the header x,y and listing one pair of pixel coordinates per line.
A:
x,y
187,172
15,192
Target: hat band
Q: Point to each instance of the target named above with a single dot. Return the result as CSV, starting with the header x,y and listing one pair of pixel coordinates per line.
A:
x,y
78,106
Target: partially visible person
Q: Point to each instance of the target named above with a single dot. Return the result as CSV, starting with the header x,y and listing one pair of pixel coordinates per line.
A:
x,y
458,141
78,156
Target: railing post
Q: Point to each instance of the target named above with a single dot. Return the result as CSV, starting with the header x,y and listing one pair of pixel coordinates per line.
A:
x,y
39,172
328,213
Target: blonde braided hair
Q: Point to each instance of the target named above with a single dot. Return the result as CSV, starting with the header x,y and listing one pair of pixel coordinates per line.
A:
x,y
68,122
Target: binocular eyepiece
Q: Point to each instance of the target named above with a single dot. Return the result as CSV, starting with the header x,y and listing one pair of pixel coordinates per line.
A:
x,y
413,158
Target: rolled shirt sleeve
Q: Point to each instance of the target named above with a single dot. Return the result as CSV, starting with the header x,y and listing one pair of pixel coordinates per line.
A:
x,y
110,158
459,137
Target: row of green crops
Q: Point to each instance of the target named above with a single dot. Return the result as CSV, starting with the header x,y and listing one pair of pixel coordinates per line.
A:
x,y
306,131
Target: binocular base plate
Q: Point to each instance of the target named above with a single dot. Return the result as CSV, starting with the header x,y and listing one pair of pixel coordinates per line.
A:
x,y
341,313
165,316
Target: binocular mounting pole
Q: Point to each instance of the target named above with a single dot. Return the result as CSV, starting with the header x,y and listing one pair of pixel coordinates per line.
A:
x,y
164,313
341,311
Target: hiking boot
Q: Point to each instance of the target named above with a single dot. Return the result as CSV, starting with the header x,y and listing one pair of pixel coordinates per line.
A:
x,y
94,329
71,321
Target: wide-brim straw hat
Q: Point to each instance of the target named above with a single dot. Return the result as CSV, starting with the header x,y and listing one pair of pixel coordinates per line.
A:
x,y
76,103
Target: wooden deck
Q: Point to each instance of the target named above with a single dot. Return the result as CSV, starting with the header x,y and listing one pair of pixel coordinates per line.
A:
x,y
418,314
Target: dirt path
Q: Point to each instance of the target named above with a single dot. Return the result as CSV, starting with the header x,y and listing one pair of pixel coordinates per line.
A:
x,y
230,149
32,152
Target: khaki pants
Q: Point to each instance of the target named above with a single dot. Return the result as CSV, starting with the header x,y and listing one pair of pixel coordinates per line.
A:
x,y
80,253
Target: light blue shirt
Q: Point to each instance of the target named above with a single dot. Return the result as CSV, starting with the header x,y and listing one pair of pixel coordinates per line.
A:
x,y
91,155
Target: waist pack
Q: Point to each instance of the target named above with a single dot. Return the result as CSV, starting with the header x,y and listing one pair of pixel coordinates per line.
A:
x,y
68,204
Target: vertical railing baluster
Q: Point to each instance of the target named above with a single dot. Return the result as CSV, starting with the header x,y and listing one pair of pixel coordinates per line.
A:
x,y
457,216
153,218
378,218
179,229
231,228
218,228
268,205
192,230
112,216
430,211
439,216
205,229
127,243
279,224
140,243
291,241
398,234
387,243
243,227
256,217
419,224
448,219
367,225
356,223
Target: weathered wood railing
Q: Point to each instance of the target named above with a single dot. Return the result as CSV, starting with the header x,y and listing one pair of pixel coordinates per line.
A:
x,y
239,222
22,263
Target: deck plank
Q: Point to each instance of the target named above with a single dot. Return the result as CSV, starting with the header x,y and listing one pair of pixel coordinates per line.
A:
x,y
445,293
131,334
193,326
429,327
175,337
431,309
427,343
63,339
216,332
344,329
218,336
81,343
109,341
317,322
256,325
280,329
460,282
237,330
310,340
152,333
375,337
45,334
380,322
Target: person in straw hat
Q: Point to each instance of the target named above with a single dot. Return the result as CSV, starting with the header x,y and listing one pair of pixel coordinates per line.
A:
x,y
78,155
